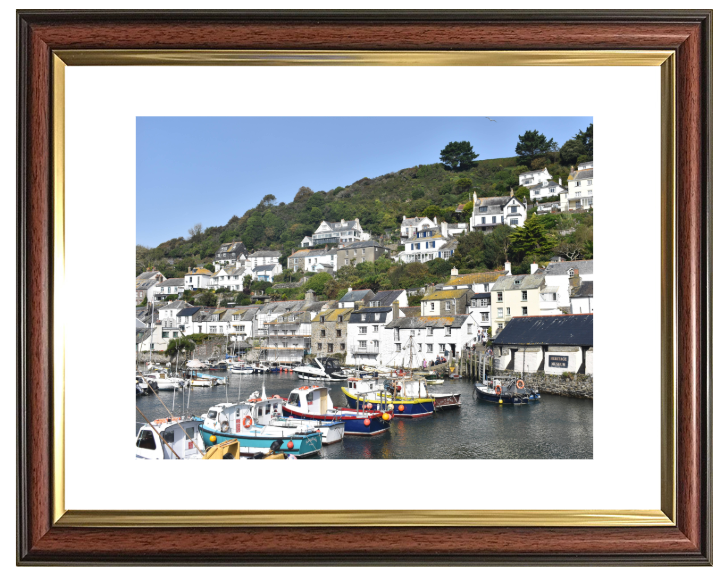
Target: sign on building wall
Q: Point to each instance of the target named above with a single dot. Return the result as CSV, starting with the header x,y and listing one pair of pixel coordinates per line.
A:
x,y
557,361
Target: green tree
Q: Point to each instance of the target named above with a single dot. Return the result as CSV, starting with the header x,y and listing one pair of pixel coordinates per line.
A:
x,y
458,155
303,194
522,193
178,346
586,138
144,302
317,283
432,211
571,150
531,145
207,299
463,184
417,193
531,239
497,246
470,250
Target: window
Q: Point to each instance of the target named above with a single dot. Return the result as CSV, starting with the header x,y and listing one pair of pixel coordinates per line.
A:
x,y
552,190
470,329
524,295
319,346
213,329
362,343
499,312
322,333
513,221
589,192
513,209
363,317
500,326
447,305
377,318
482,220
330,348
363,329
524,311
166,334
432,306
419,347
571,273
429,347
494,219
484,317
376,328
429,331
146,440
517,281
442,347
397,333
338,333
499,296
577,183
347,261
482,209
398,347
342,347
448,331
507,310
589,182
322,319
294,399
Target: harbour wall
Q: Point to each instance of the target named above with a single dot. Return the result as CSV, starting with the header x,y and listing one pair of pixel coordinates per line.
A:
x,y
212,347
573,386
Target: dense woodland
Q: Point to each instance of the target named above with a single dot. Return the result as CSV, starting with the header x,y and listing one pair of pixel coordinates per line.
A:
x,y
381,202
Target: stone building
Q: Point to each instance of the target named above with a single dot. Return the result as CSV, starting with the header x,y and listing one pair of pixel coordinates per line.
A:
x,y
358,252
329,331
446,302
550,344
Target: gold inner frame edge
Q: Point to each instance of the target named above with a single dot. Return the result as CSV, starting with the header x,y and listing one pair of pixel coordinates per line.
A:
x,y
547,518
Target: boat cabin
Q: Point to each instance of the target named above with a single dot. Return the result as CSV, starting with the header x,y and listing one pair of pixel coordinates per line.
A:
x,y
231,418
310,399
181,434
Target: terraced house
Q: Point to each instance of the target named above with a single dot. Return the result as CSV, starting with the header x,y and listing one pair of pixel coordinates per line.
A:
x,y
289,337
579,193
518,296
358,252
329,331
230,254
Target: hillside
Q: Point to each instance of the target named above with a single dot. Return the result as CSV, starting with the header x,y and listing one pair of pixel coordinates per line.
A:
x,y
379,203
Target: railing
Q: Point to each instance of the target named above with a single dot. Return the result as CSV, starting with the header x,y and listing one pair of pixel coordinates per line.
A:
x,y
364,350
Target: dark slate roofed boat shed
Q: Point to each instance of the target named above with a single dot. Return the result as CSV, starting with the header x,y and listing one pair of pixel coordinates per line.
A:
x,y
561,330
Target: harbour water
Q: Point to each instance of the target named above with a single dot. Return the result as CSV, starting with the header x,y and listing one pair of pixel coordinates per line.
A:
x,y
553,428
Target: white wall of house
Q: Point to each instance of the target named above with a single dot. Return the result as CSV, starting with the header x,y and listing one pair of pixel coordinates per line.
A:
x,y
197,281
265,274
315,262
164,291
573,354
410,226
528,179
160,338
480,309
562,281
583,305
255,261
547,190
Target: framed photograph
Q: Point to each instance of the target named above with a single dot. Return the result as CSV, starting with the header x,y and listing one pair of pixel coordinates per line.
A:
x,y
367,242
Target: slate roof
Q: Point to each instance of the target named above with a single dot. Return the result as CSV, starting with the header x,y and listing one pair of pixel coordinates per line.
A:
x,y
548,184
176,305
475,278
414,221
173,282
145,284
264,268
411,311
300,253
581,174
386,297
266,254
148,275
189,311
585,290
527,282
202,271
428,321
332,315
230,249
363,244
445,294
561,330
356,295
494,205
561,268
356,317
532,172
480,295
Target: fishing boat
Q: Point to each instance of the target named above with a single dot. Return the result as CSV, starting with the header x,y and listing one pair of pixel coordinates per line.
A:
x,y
260,368
314,403
195,379
407,398
164,381
505,390
275,367
326,369
242,369
226,421
141,387
176,438
431,377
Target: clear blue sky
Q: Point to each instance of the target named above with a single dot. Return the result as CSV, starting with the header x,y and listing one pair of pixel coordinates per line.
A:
x,y
208,169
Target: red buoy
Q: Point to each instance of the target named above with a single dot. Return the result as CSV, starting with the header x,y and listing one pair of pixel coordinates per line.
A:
x,y
401,408
367,422
291,445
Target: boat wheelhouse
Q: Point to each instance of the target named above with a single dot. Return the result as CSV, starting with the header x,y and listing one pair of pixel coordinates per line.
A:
x,y
175,438
314,403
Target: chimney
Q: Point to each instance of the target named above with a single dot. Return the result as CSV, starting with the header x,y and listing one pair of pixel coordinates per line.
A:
x,y
571,169
357,220
508,268
454,272
396,310
310,296
342,221
443,228
189,270
512,193
560,181
474,197
349,289
533,268
435,220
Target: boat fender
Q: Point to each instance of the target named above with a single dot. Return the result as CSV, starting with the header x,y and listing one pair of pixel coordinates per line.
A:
x,y
224,427
520,384
247,421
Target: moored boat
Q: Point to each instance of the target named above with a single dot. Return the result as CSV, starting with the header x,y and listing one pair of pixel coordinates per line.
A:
x,y
242,370
408,399
327,369
226,421
314,403
505,390
176,438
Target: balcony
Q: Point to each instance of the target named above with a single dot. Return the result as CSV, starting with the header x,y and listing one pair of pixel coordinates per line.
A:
x,y
364,350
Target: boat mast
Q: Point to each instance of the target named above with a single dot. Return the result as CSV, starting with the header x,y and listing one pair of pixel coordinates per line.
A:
x,y
152,328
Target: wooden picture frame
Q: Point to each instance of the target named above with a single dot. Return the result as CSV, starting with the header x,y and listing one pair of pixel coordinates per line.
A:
x,y
685,538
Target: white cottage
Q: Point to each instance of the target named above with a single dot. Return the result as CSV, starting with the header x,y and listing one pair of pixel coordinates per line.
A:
x,y
197,278
491,212
579,193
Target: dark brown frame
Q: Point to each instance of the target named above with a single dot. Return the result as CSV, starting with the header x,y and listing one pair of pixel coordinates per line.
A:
x,y
688,33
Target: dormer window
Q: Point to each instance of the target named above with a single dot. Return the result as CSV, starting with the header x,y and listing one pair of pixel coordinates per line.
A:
x,y
482,209
517,282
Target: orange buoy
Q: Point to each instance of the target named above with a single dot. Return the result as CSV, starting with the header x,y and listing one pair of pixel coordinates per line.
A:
x,y
498,390
290,445
401,408
520,384
247,421
367,422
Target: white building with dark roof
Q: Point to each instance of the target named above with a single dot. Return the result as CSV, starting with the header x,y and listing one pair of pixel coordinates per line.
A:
x,y
266,272
491,212
579,193
263,257
230,277
566,275
534,177
428,244
171,286
230,254
343,232
410,226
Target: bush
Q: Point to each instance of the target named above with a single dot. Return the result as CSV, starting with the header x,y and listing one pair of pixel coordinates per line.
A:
x,y
418,193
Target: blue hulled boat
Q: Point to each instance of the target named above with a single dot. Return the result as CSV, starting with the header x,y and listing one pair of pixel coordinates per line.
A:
x,y
314,403
505,390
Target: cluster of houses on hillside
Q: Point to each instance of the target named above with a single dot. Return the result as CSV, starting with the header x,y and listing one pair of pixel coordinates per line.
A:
x,y
380,329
